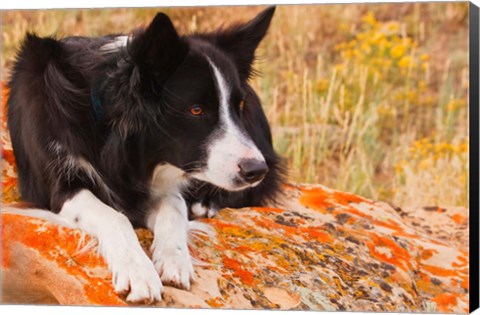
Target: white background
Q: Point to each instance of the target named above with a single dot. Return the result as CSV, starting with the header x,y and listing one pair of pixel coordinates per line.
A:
x,y
43,4
29,4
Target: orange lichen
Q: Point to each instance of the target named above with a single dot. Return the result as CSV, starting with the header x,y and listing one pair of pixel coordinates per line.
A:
x,y
339,286
352,210
102,294
344,198
5,93
389,224
283,263
316,234
299,221
5,254
399,256
276,269
463,262
459,219
245,276
59,245
445,301
9,190
222,225
315,198
269,224
268,210
405,234
215,302
426,285
439,271
427,253
243,248
465,283
319,199
7,155
225,228
309,232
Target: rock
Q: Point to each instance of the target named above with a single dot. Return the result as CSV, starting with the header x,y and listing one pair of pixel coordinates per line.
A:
x,y
298,256
320,250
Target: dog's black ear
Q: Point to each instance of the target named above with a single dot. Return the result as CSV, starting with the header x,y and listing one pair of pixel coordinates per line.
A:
x,y
241,41
159,49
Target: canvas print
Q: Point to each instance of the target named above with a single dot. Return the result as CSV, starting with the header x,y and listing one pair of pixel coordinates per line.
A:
x,y
294,157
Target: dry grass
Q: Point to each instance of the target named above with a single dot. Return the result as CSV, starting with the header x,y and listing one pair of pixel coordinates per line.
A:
x,y
370,99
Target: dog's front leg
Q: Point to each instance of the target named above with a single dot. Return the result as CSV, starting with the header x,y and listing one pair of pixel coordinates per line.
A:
x,y
132,270
169,223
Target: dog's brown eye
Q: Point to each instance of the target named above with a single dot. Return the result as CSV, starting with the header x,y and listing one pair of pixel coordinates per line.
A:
x,y
242,105
196,110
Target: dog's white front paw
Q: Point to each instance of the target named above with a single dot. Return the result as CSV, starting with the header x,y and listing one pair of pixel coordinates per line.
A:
x,y
174,266
200,211
212,212
136,276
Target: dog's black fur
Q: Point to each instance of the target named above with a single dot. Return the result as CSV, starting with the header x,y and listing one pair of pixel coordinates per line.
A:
x,y
121,112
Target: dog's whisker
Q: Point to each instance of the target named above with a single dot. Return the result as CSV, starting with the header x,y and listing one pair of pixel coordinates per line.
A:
x,y
171,93
159,125
172,109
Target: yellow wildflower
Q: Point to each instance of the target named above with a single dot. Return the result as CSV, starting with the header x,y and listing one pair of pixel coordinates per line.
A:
x,y
405,62
397,51
392,27
455,104
424,66
370,19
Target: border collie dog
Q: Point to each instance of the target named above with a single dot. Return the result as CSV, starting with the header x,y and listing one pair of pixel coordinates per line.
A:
x,y
146,129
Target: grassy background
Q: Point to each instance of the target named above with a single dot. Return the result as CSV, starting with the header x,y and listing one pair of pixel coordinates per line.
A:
x,y
365,98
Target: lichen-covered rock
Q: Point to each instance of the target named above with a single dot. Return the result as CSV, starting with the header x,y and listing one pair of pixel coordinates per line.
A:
x,y
323,250
320,250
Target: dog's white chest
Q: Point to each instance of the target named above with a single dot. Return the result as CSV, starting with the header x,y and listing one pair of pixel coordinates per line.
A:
x,y
167,179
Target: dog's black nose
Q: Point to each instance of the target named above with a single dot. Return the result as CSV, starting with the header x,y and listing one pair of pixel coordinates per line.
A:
x,y
252,170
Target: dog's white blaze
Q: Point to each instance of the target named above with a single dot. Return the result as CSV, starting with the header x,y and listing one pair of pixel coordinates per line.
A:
x,y
229,144
118,244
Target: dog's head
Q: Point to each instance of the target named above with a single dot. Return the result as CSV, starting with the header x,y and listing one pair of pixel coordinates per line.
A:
x,y
194,91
